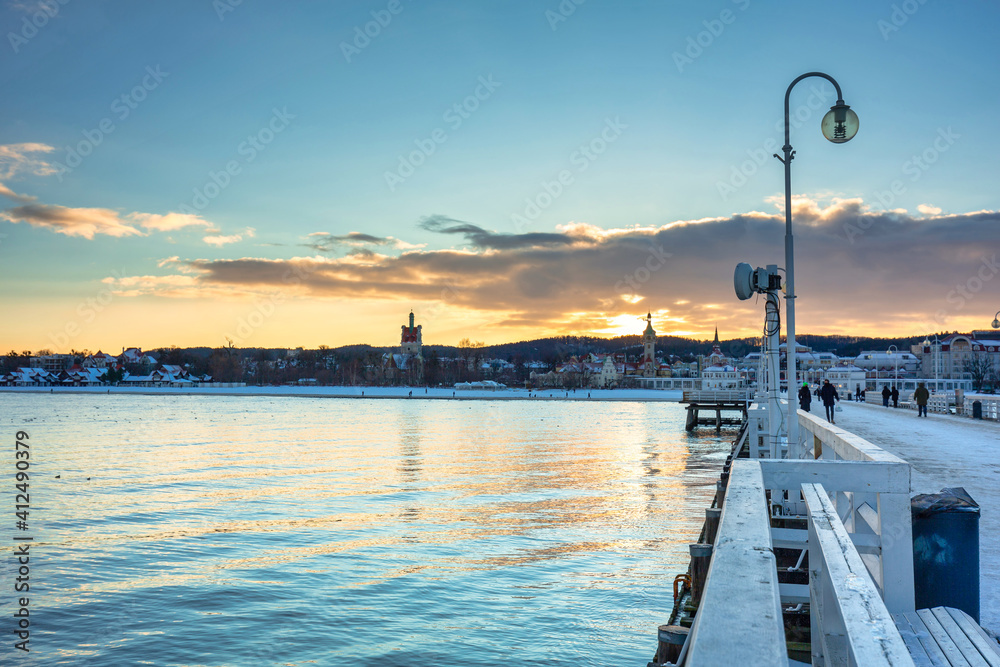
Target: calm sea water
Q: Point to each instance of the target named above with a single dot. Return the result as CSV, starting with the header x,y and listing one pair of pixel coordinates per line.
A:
x,y
297,531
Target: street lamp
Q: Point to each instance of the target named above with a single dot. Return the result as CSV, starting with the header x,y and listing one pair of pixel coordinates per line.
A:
x,y
996,320
839,125
893,350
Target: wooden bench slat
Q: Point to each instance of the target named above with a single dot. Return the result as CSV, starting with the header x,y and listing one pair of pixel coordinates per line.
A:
x,y
947,645
986,645
926,648
959,633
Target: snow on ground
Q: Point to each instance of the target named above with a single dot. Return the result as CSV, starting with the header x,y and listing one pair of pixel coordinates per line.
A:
x,y
673,395
945,451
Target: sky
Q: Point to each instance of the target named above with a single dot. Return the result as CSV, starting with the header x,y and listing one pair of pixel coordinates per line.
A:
x,y
286,174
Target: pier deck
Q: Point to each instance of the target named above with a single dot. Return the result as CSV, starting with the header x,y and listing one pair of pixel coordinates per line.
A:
x,y
945,451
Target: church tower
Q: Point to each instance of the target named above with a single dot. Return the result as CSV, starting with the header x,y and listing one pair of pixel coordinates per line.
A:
x,y
649,348
411,340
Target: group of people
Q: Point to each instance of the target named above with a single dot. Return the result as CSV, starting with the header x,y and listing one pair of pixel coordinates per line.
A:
x,y
828,393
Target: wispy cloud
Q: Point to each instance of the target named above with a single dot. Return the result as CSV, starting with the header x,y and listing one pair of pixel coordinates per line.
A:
x,y
17,160
327,243
481,238
85,222
219,240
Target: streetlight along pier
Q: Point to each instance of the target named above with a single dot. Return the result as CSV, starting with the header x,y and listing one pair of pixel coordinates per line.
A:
x,y
807,555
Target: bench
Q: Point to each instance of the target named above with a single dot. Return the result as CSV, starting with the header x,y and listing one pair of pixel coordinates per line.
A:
x,y
946,637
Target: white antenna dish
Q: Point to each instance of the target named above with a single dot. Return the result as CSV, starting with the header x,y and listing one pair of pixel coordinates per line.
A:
x,y
743,281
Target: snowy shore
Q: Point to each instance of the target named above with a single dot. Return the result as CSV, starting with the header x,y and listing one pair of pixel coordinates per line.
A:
x,y
441,393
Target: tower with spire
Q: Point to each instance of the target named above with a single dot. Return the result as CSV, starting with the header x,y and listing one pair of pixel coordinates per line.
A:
x,y
411,340
649,348
716,358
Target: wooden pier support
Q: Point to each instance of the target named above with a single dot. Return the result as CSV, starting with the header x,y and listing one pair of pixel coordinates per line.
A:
x,y
701,557
671,641
712,516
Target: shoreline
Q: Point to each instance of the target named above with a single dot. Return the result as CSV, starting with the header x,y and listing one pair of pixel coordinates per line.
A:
x,y
430,393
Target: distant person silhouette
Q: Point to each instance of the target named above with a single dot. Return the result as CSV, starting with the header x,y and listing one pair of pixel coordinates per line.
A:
x,y
805,397
895,397
886,394
920,395
829,394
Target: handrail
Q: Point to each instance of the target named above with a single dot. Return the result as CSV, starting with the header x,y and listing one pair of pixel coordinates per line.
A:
x,y
739,619
850,624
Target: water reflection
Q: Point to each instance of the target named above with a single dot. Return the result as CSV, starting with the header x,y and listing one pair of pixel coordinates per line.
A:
x,y
512,520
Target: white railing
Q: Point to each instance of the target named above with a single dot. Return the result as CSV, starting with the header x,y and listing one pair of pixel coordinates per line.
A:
x,y
854,500
991,406
739,618
850,625
716,396
870,489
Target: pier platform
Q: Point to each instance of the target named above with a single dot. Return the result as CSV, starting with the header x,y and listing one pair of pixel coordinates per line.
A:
x,y
945,451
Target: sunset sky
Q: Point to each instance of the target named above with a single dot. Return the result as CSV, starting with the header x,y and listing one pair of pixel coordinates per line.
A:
x,y
290,174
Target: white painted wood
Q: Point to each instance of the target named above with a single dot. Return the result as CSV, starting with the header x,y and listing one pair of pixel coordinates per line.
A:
x,y
987,646
842,589
794,593
796,538
929,651
962,641
846,445
944,641
896,530
739,620
857,476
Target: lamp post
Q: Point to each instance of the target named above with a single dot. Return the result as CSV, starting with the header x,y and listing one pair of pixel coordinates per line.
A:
x,y
839,125
996,320
893,350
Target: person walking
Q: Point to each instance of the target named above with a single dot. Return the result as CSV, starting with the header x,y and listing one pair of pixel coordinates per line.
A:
x,y
829,394
885,395
805,397
895,397
920,395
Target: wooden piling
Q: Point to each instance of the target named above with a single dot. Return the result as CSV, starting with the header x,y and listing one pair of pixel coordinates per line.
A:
x,y
712,517
701,557
671,641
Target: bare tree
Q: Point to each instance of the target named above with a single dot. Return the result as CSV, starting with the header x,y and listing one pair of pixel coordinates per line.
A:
x,y
979,367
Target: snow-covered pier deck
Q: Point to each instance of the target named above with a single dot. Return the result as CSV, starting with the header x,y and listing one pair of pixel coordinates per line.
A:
x,y
945,451
841,496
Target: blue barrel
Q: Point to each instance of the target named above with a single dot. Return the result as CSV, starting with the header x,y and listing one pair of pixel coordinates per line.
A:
x,y
946,550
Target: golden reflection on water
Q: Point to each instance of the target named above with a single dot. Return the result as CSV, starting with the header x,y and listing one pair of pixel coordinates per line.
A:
x,y
191,492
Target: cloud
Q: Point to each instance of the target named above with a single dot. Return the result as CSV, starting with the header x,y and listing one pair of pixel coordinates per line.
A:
x,y
7,192
18,159
85,222
480,238
169,222
927,209
888,269
327,243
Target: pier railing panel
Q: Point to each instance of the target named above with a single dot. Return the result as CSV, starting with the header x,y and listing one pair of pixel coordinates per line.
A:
x,y
869,488
739,619
850,624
